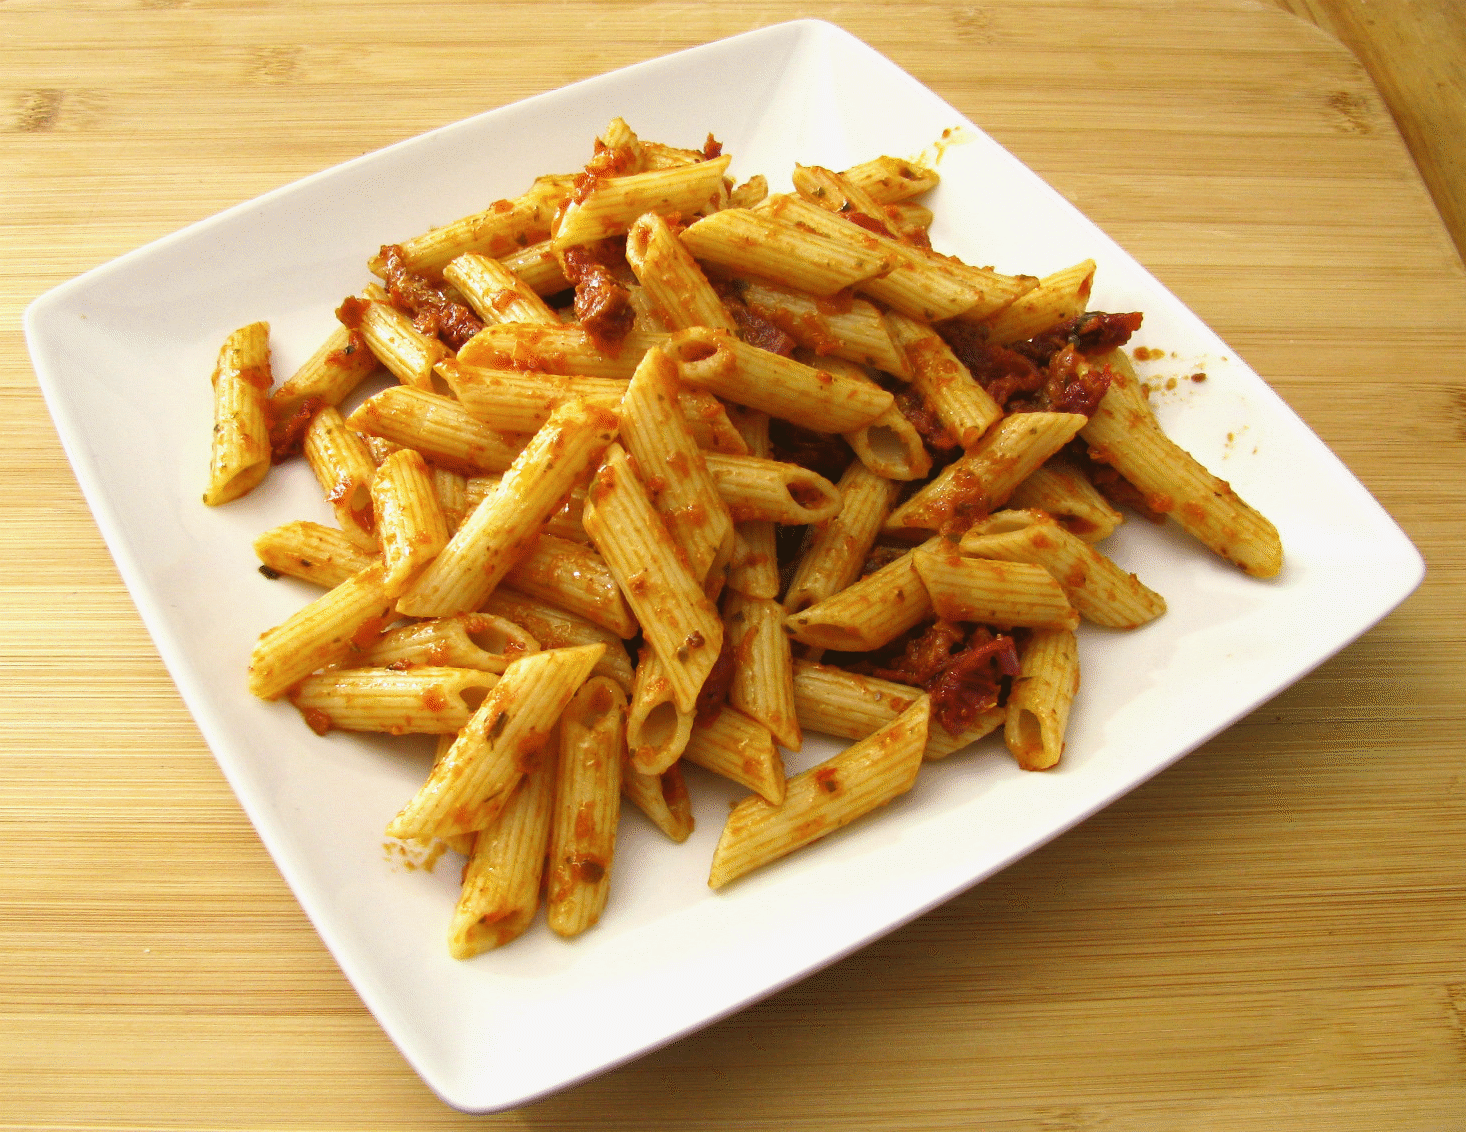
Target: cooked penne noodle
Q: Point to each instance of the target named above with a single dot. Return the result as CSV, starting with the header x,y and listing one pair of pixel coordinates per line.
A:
x,y
980,482
945,385
672,278
740,749
344,468
557,628
747,242
991,593
662,798
763,679
830,191
502,528
1065,492
312,552
438,427
390,335
499,230
1038,705
853,329
425,700
614,203
239,453
867,614
890,445
495,292
681,482
469,785
838,549
1123,433
1099,590
866,775
564,523
1057,298
833,701
891,179
513,400
657,729
917,282
707,417
470,640
451,489
501,882
587,806
818,399
409,520
337,367
339,625
772,490
576,578
566,350
538,267
675,615
754,566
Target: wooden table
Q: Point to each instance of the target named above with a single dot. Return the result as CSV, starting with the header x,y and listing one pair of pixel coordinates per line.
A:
x,y
1271,935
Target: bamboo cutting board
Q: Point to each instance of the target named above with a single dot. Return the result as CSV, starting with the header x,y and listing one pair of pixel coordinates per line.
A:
x,y
1270,935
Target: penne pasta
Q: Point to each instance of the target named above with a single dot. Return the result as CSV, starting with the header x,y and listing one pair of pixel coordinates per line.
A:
x,y
613,203
673,280
1099,590
676,473
740,749
556,628
838,549
981,481
425,700
1123,433
438,427
867,614
339,625
312,552
662,798
575,578
501,882
944,384
495,292
239,455
587,806
771,490
481,641
1065,492
818,399
504,740
502,527
819,801
677,618
409,521
1038,706
763,678
989,592
657,729
837,702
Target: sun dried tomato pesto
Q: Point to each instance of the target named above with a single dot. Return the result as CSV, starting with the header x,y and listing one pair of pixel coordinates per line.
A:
x,y
432,311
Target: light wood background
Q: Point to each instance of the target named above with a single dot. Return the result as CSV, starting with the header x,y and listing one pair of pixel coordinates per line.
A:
x,y
1271,935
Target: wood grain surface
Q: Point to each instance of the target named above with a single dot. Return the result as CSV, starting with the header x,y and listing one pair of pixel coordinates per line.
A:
x,y
1271,935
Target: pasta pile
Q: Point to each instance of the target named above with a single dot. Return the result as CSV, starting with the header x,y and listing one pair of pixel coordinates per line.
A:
x,y
762,464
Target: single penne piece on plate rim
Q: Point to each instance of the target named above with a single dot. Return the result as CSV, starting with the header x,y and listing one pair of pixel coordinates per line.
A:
x,y
239,453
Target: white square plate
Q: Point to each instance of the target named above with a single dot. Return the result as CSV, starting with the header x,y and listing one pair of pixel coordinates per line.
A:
x,y
124,355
